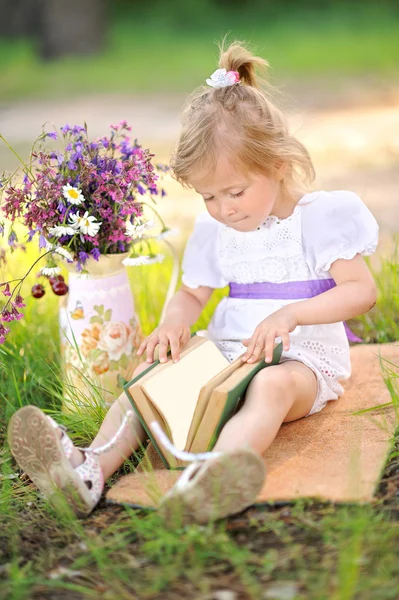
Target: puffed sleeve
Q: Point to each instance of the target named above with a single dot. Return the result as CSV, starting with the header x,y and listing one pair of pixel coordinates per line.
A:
x,y
200,260
337,225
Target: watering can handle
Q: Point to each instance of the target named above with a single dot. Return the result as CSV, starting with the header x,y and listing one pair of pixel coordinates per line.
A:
x,y
173,280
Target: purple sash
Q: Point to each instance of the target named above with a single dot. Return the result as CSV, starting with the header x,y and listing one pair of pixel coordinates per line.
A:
x,y
292,290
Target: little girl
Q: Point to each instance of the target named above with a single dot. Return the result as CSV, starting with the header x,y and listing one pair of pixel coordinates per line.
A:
x,y
293,261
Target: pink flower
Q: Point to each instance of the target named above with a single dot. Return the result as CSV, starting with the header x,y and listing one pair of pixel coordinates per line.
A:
x,y
6,290
6,316
19,301
116,339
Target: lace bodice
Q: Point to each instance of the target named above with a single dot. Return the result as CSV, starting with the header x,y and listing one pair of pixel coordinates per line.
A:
x,y
271,253
323,227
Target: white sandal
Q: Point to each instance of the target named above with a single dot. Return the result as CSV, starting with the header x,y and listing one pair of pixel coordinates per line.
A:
x,y
214,486
44,457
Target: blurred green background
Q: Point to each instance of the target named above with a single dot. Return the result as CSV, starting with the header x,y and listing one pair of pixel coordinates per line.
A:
x,y
61,48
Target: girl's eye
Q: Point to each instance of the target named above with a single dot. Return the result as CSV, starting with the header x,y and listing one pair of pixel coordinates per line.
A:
x,y
208,199
237,195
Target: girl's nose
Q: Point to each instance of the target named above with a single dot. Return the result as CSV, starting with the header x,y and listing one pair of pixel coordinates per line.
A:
x,y
227,210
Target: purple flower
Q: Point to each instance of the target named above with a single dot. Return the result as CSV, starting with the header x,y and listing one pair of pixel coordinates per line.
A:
x,y
83,256
95,253
1,229
6,290
52,135
12,238
16,315
3,330
19,301
65,129
3,333
77,129
61,207
42,241
6,316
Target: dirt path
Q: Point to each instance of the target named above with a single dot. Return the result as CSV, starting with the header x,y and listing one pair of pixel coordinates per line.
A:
x,y
354,145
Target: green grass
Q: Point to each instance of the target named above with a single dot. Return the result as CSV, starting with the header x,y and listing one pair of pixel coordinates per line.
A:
x,y
148,54
307,550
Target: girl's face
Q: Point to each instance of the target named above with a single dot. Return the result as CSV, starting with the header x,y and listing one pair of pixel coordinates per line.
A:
x,y
239,201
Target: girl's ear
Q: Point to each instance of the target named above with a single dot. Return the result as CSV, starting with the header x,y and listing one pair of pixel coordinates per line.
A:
x,y
281,168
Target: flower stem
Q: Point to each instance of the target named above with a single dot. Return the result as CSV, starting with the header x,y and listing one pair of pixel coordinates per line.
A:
x,y
21,280
16,154
156,212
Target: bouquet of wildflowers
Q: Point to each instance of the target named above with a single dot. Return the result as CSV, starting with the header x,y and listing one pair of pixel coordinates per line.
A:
x,y
82,199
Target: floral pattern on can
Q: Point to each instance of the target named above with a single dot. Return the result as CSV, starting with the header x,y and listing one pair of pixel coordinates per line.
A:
x,y
99,347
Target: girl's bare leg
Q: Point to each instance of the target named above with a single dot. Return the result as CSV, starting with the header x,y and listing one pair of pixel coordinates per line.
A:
x,y
129,441
278,394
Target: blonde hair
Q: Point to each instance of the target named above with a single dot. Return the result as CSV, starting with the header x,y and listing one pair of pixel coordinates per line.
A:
x,y
241,121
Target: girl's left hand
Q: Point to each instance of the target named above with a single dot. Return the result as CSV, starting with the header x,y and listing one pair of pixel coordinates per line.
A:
x,y
278,324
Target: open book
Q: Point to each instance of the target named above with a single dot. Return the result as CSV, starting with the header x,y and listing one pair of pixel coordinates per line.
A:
x,y
192,399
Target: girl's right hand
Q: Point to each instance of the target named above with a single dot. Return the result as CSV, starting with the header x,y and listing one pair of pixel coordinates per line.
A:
x,y
176,335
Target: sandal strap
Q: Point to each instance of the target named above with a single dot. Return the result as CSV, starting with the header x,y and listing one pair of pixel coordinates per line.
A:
x,y
109,445
91,473
180,454
66,441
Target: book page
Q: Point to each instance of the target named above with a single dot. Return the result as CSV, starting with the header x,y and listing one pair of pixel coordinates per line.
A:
x,y
175,390
205,395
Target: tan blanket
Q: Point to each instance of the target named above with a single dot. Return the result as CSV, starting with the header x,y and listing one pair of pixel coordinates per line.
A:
x,y
332,455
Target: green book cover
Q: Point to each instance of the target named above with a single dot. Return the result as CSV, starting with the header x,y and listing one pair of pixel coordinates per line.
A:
x,y
143,423
236,395
233,399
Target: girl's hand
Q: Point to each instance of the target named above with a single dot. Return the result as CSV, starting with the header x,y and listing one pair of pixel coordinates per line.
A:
x,y
172,333
278,324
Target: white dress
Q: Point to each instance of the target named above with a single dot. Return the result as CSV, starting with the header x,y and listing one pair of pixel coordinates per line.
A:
x,y
323,227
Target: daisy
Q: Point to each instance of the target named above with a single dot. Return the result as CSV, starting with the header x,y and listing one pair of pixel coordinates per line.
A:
x,y
138,261
167,232
87,225
72,195
49,271
155,258
60,230
64,253
136,231
74,220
